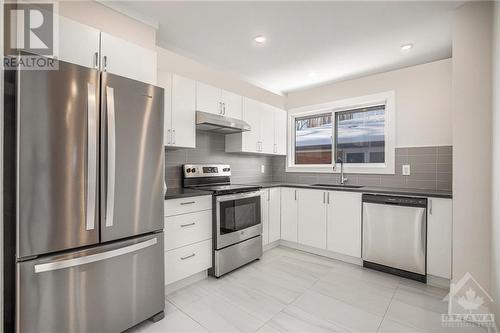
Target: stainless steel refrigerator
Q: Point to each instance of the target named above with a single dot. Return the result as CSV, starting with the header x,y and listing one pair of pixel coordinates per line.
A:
x,y
86,179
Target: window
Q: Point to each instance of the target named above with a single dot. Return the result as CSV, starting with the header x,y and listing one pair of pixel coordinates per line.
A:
x,y
313,139
358,131
359,135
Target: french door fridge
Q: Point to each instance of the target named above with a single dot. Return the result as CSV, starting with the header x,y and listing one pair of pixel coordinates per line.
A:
x,y
87,178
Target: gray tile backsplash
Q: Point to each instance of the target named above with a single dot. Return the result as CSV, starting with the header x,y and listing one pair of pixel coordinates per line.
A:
x,y
210,148
431,167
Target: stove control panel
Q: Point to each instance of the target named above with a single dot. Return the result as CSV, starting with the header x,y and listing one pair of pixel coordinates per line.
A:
x,y
206,170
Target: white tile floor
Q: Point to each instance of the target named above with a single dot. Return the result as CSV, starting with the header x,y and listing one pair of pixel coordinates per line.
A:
x,y
292,291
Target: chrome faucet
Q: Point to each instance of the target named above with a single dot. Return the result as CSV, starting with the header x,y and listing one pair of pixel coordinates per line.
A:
x,y
343,179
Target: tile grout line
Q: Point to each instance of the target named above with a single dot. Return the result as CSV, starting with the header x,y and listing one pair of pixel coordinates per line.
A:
x,y
389,305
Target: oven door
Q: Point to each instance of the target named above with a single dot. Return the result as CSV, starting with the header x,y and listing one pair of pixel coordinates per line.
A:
x,y
238,218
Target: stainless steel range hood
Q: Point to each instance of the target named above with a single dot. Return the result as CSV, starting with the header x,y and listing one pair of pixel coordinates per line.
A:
x,y
220,124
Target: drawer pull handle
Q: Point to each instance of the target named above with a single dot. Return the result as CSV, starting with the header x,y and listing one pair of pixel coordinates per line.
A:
x,y
187,203
187,257
187,225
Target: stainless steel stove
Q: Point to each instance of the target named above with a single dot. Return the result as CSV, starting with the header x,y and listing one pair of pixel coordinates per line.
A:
x,y
237,225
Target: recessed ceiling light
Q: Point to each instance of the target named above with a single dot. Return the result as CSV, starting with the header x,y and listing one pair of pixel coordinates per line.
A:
x,y
260,39
406,47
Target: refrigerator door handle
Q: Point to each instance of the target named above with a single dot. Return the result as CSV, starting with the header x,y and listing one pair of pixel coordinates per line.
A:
x,y
91,156
67,263
111,145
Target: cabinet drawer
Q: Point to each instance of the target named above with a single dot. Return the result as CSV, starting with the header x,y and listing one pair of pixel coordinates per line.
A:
x,y
188,260
185,229
187,205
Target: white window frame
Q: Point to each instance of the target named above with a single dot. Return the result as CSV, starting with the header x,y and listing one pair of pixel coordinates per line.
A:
x,y
387,98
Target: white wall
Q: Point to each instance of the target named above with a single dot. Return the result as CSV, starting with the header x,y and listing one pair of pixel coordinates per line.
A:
x,y
175,63
423,100
471,105
495,230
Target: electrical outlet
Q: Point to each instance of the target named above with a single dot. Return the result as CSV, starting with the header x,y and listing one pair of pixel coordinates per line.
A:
x,y
406,170
262,168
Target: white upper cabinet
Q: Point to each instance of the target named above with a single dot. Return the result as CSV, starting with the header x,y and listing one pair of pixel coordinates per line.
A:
x,y
280,126
267,134
344,223
217,101
274,214
289,214
231,104
439,229
78,43
179,121
312,218
126,59
208,98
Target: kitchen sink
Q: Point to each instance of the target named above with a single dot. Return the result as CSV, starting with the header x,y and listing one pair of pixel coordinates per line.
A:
x,y
339,185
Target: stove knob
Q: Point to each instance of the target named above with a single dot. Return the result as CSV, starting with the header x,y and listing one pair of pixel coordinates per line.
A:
x,y
188,170
193,170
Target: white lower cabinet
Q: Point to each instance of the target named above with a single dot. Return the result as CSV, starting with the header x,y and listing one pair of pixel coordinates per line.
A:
x,y
289,214
264,212
271,215
188,237
439,233
274,214
344,223
312,218
188,260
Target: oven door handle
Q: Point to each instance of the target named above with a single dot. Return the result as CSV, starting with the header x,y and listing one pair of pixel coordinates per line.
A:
x,y
237,196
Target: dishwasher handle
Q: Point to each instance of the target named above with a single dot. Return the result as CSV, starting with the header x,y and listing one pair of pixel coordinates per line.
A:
x,y
395,200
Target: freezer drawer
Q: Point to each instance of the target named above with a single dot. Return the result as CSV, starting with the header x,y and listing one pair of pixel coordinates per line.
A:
x,y
395,236
108,288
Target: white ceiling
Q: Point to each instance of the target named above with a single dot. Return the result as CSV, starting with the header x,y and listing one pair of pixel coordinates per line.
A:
x,y
334,40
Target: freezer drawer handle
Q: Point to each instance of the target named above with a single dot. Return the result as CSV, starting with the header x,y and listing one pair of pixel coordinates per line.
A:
x,y
110,185
52,266
91,156
189,256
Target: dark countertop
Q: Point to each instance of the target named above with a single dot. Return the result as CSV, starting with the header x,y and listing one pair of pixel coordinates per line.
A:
x,y
175,193
368,189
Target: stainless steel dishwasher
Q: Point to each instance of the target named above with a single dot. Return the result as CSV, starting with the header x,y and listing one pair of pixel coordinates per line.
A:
x,y
395,235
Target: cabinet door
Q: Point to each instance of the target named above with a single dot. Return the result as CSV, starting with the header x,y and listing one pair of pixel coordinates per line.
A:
x,y
344,223
208,98
274,214
251,112
312,218
289,214
267,129
232,104
264,206
439,228
183,112
78,43
280,127
165,81
126,59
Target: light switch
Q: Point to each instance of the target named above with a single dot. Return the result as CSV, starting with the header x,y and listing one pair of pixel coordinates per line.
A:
x,y
262,168
406,170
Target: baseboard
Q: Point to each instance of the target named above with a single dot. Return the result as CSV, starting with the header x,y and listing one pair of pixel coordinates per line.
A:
x,y
271,245
323,253
170,288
